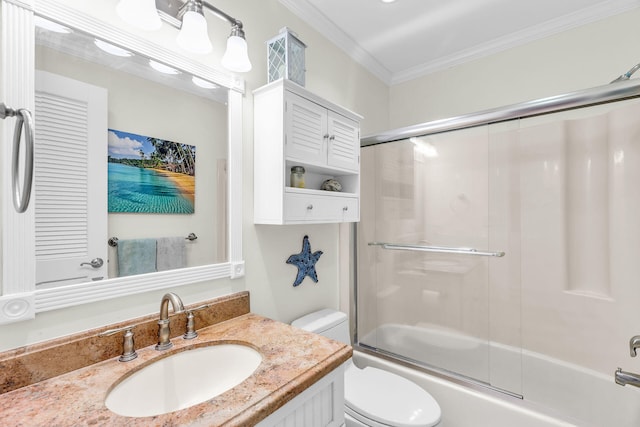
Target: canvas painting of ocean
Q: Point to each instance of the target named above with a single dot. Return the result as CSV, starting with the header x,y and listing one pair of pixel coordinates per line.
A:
x,y
150,175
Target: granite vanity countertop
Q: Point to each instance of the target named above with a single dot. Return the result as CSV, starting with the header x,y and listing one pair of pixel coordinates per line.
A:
x,y
292,361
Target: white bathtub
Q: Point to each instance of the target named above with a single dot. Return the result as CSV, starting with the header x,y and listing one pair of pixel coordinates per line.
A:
x,y
577,396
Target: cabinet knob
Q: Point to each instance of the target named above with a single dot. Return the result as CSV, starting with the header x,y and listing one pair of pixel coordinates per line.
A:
x,y
326,136
346,208
332,137
309,207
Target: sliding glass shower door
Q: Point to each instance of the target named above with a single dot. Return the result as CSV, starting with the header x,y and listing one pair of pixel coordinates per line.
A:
x,y
509,254
425,251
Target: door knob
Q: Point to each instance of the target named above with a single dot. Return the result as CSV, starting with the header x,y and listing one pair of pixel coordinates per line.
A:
x,y
95,263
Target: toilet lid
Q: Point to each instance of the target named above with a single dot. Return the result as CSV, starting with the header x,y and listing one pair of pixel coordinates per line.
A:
x,y
389,399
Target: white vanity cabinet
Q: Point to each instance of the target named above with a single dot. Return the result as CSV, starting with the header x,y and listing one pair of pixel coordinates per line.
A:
x,y
320,405
294,127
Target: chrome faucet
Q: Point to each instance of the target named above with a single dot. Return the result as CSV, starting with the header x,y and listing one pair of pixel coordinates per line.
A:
x,y
623,378
634,343
164,333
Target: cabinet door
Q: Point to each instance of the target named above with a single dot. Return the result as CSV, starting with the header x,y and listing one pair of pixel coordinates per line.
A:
x,y
305,130
344,142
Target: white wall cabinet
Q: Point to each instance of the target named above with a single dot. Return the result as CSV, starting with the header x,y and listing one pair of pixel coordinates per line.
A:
x,y
294,127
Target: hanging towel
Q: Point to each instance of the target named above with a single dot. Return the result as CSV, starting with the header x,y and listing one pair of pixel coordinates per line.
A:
x,y
136,256
170,253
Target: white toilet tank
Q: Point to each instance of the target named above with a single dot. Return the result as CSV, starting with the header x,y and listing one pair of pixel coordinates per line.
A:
x,y
329,323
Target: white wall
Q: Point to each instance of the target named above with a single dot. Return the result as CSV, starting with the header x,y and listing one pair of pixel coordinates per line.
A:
x,y
589,56
331,74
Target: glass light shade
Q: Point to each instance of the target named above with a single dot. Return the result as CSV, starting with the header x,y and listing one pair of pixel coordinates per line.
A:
x,y
236,57
164,69
139,13
203,83
50,26
111,49
194,36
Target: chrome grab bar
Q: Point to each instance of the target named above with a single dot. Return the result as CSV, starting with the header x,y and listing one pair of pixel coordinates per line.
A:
x,y
24,119
436,249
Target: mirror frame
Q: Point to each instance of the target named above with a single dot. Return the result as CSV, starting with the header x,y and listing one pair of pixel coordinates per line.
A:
x,y
20,300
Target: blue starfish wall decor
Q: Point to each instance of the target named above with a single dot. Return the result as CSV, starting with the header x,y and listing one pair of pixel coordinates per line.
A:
x,y
306,262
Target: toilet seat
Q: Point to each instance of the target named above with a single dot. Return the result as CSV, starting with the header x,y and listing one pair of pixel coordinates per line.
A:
x,y
387,399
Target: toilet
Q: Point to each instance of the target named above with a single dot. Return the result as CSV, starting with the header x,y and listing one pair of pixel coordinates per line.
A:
x,y
374,397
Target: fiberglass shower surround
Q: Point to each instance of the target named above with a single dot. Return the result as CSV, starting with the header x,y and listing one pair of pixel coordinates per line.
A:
x,y
502,248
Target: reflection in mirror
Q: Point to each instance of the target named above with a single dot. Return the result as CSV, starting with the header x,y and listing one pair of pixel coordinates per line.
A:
x,y
126,148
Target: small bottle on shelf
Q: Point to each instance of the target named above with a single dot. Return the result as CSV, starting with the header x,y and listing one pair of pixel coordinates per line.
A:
x,y
297,177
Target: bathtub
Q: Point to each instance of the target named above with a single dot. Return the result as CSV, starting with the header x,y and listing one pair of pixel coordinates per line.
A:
x,y
554,393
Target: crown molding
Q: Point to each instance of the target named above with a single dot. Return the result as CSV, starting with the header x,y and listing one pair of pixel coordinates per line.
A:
x,y
546,29
308,13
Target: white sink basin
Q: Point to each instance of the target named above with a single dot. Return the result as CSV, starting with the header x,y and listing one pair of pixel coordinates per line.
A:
x,y
182,380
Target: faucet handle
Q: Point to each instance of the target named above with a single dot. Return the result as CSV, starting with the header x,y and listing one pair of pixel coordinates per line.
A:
x,y
634,343
191,322
128,344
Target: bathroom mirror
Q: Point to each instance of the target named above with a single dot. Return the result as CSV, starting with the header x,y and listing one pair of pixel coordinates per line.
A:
x,y
156,135
164,142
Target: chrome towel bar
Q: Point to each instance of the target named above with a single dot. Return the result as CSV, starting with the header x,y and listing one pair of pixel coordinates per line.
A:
x,y
113,241
24,119
435,249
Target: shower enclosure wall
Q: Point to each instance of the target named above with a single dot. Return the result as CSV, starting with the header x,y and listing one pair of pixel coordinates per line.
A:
x,y
508,254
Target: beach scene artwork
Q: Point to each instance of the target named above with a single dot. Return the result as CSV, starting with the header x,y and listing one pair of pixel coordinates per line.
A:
x,y
150,175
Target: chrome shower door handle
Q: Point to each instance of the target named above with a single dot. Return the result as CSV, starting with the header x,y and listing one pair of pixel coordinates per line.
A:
x,y
24,119
95,263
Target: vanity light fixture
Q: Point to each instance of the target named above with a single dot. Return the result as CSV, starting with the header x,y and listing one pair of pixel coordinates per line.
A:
x,y
164,69
40,22
188,16
111,49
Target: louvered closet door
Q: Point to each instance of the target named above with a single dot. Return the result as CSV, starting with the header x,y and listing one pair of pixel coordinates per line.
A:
x,y
70,180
